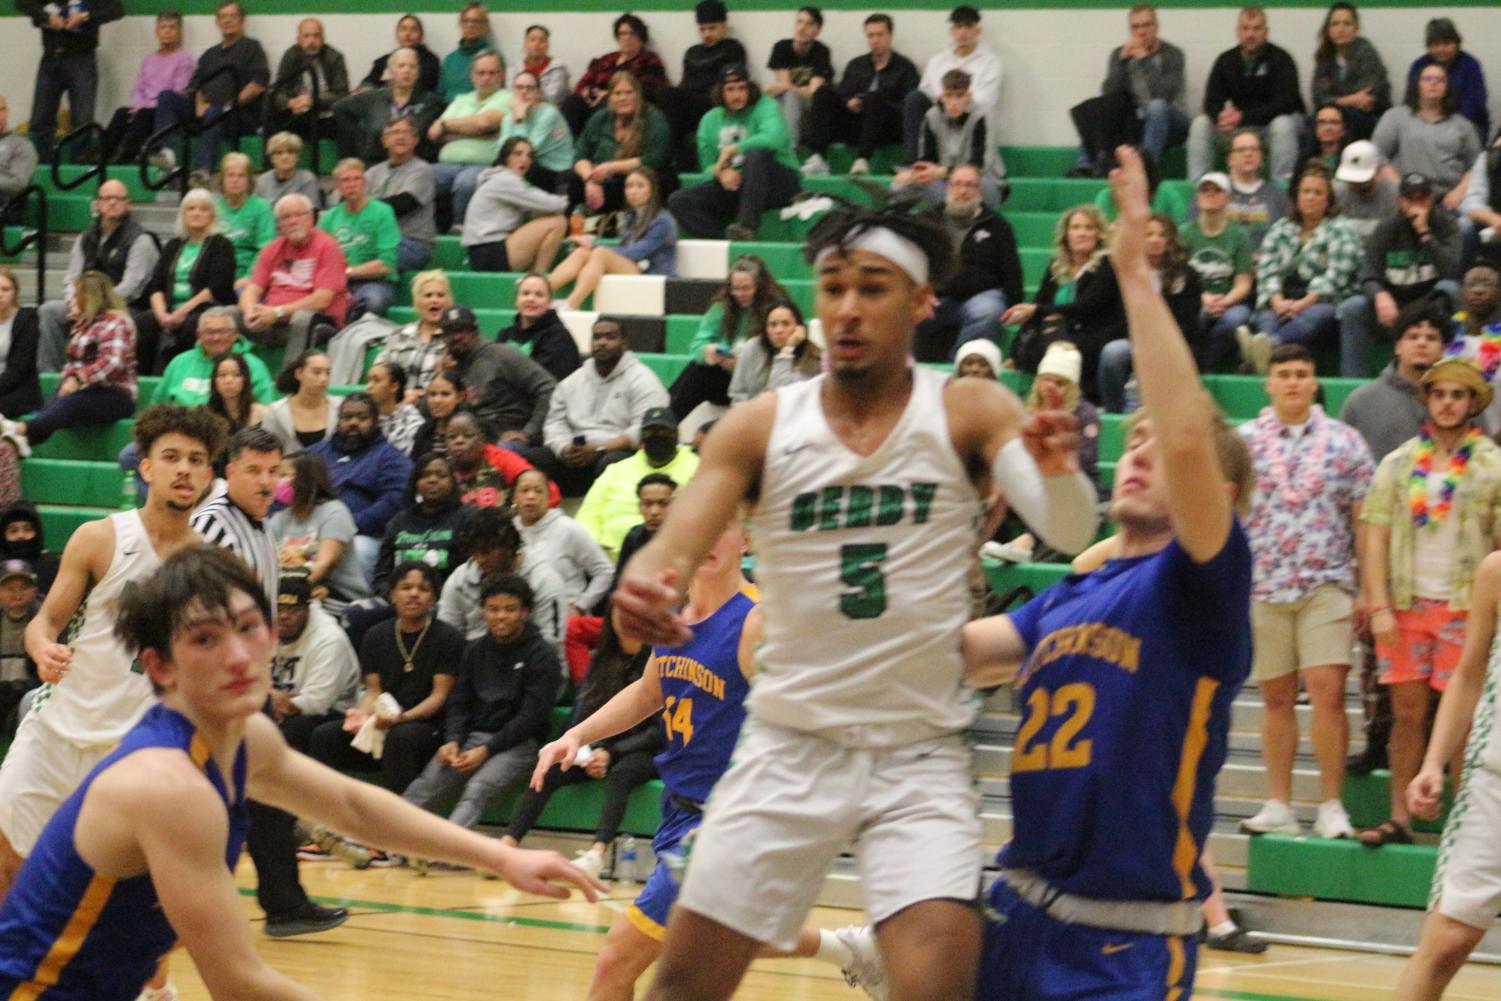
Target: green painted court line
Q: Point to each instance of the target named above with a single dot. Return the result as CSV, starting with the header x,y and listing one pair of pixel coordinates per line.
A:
x,y
439,912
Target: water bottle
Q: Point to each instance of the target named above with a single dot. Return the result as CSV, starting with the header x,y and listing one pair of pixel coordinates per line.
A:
x,y
1133,396
128,496
627,859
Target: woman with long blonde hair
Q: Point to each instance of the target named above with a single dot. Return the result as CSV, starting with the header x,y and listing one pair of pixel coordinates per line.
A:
x,y
99,377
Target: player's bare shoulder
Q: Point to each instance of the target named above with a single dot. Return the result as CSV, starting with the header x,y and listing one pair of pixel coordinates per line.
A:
x,y
90,549
980,410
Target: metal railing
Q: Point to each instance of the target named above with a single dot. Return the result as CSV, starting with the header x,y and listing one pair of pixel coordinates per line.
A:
x,y
95,170
189,128
293,82
35,236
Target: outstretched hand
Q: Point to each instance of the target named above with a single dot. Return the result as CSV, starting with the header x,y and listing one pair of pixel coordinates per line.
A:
x,y
1051,439
646,609
1128,186
546,874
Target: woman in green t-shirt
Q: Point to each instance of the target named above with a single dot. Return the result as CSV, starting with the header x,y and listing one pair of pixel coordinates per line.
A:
x,y
195,271
245,219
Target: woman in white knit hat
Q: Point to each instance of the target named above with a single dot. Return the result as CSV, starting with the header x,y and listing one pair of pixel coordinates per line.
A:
x,y
1057,388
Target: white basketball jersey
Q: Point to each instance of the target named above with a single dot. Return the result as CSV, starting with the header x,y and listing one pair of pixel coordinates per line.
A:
x,y
104,692
863,568
1483,746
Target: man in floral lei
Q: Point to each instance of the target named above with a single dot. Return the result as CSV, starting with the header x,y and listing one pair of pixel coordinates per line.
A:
x,y
1431,515
1312,473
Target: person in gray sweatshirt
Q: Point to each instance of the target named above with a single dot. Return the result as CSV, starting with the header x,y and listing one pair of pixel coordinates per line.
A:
x,y
594,417
511,225
18,158
553,538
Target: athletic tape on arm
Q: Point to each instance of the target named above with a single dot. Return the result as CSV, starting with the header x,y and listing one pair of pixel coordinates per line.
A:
x,y
1060,509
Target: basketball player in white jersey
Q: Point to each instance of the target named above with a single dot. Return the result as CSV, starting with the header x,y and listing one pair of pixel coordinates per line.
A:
x,y
866,486
1466,894
93,692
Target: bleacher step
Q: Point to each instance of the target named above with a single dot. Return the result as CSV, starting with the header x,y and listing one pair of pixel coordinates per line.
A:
x,y
1394,875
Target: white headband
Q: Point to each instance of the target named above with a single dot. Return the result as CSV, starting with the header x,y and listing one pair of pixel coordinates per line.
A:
x,y
888,244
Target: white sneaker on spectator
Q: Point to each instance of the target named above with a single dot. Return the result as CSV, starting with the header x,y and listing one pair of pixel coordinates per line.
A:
x,y
860,166
163,159
815,165
864,970
1276,817
166,992
590,861
1332,821
1261,352
9,432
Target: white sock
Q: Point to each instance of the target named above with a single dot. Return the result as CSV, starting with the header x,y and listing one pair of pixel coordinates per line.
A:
x,y
1226,927
831,950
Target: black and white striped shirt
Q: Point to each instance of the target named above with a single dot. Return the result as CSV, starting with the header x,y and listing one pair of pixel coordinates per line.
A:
x,y
224,524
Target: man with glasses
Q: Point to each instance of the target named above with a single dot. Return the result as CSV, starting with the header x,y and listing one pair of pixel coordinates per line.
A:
x,y
1141,100
1254,85
207,99
540,123
467,131
298,292
115,244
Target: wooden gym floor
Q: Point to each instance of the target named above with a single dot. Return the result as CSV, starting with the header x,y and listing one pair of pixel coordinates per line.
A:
x,y
454,936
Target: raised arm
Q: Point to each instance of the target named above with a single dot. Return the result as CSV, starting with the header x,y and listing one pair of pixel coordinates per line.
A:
x,y
1181,415
653,583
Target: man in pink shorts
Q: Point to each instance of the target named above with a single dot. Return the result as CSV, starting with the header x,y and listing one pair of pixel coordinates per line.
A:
x,y
1431,516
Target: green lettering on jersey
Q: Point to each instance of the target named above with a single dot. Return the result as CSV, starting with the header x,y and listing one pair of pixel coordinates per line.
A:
x,y
803,506
922,497
893,503
857,512
828,508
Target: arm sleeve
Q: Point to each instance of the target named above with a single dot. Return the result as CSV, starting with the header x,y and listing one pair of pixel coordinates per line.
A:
x,y
1478,194
218,267
20,362
388,237
656,146
1387,136
450,603
708,331
385,559
647,392
658,235
1445,247
768,128
541,679
402,203
706,139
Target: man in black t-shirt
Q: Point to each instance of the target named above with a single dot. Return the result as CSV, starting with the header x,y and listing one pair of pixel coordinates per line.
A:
x,y
865,109
801,65
206,99
412,657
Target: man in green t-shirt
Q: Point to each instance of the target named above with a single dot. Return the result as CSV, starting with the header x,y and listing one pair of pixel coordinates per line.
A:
x,y
366,231
469,131
1219,251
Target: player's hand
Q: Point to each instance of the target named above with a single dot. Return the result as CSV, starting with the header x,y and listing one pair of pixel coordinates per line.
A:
x,y
471,759
1051,439
53,661
1424,793
541,872
599,763
1128,185
562,752
646,609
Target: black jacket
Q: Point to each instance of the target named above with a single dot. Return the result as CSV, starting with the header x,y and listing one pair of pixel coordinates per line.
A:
x,y
294,62
20,392
61,44
214,270
506,690
553,347
1268,87
988,259
429,68
111,253
897,80
34,550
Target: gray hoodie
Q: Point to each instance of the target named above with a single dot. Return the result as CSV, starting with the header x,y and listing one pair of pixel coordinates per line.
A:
x,y
601,407
502,202
17,163
562,543
459,604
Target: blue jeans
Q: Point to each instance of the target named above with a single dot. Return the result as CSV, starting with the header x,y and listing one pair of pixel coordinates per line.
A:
x,y
459,180
412,255
78,76
371,295
1314,324
1218,341
174,107
90,406
1357,330
1162,125
1115,372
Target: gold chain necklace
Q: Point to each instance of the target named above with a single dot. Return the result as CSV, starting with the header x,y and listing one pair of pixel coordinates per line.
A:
x,y
407,655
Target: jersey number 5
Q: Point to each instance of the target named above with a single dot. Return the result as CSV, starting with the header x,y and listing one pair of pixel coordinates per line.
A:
x,y
860,568
678,721
1075,703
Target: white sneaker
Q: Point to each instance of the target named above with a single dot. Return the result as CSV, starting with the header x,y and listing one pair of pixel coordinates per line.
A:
x,y
1332,821
1276,817
590,861
1261,352
815,165
864,970
166,992
163,159
860,166
9,432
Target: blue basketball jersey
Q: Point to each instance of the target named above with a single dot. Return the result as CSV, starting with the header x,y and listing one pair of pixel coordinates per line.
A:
x,y
70,934
703,693
1125,701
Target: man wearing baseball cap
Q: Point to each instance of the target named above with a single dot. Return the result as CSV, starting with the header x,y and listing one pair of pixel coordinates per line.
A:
x,y
964,52
1366,197
1428,518
611,508
744,145
18,603
1413,255
1220,252
504,388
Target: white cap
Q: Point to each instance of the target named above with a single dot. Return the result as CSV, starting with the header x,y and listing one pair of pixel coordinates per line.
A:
x,y
985,349
1358,163
1063,360
1218,178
